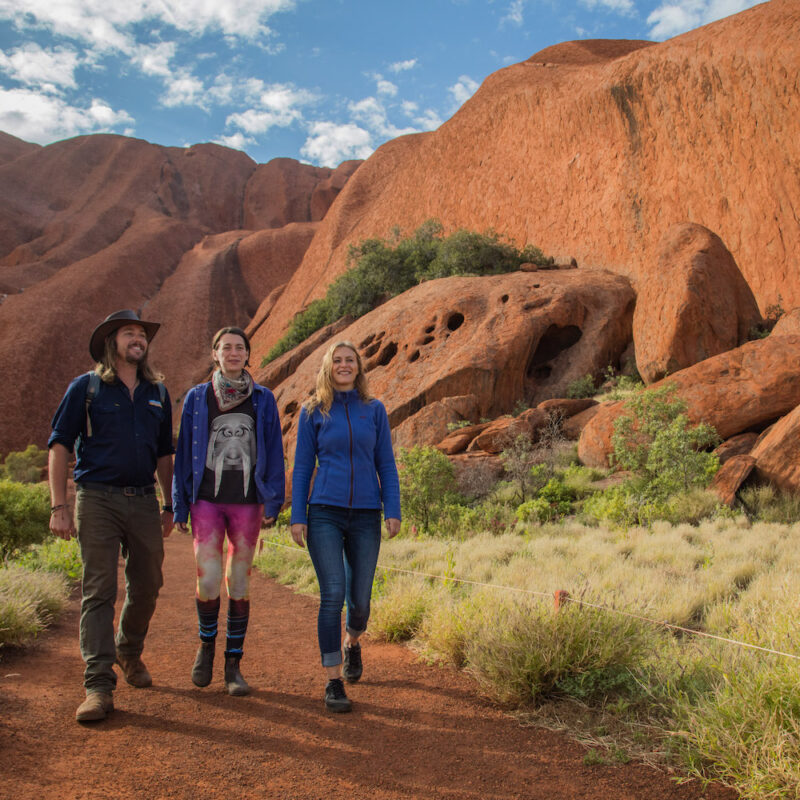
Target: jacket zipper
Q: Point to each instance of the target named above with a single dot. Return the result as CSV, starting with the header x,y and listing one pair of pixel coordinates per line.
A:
x,y
350,431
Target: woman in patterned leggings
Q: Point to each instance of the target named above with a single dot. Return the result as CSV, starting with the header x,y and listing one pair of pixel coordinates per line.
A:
x,y
229,477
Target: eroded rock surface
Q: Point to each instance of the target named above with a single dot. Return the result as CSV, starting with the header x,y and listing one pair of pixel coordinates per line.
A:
x,y
499,339
745,388
696,304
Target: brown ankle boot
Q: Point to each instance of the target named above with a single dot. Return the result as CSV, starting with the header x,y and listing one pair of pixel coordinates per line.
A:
x,y
96,706
234,682
135,671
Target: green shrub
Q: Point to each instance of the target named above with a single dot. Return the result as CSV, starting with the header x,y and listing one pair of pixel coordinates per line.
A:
x,y
379,269
656,442
427,483
768,504
519,458
538,650
553,501
398,612
24,516
28,601
25,466
582,387
55,555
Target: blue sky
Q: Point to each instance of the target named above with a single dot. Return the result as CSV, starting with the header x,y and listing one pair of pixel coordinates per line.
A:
x,y
317,80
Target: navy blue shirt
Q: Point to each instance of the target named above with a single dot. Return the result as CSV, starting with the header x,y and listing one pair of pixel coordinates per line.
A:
x,y
128,436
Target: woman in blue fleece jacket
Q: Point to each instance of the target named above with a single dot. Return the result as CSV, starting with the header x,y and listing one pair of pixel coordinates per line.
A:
x,y
346,433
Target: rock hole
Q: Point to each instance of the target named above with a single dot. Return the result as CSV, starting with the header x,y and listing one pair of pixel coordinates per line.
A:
x,y
414,356
371,350
427,340
367,341
455,321
380,335
555,340
504,298
286,426
430,328
387,354
290,407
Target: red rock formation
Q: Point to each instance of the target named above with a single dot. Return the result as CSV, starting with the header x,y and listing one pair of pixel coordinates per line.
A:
x,y
12,148
694,305
777,454
97,223
499,339
284,190
731,476
739,445
594,149
735,391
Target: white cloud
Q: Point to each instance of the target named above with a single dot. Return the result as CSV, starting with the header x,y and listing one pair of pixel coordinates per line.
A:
x,y
429,120
183,89
371,112
273,105
48,69
402,66
154,59
673,18
463,90
328,144
106,25
514,15
237,141
42,119
387,88
624,7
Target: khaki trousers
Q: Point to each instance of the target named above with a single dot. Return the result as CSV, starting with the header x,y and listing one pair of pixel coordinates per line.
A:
x,y
107,523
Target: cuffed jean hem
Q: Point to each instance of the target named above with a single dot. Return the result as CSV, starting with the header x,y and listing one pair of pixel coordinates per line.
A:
x,y
353,631
332,659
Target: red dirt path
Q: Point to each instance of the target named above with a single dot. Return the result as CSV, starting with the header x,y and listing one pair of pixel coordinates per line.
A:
x,y
415,731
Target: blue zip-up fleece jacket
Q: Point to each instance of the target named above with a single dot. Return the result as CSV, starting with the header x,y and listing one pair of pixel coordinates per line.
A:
x,y
354,449
190,456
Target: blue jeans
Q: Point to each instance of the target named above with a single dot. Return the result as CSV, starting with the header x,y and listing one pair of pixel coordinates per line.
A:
x,y
343,544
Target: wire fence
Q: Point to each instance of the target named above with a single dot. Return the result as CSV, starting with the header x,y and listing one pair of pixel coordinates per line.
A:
x,y
560,597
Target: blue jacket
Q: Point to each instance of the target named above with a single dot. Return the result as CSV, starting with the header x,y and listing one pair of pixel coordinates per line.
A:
x,y
190,455
354,449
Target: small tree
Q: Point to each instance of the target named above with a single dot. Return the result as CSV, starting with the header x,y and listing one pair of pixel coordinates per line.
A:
x,y
25,466
24,516
656,441
427,482
518,459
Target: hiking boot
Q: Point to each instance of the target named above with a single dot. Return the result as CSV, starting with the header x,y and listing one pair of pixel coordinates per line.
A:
x,y
234,682
135,671
96,706
203,663
353,667
335,697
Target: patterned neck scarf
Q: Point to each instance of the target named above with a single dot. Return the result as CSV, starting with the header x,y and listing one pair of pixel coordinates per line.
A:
x,y
231,392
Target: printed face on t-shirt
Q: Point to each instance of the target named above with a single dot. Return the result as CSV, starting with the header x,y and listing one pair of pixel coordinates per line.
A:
x,y
231,446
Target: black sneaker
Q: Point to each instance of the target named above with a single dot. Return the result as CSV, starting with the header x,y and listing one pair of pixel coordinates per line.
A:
x,y
352,663
335,697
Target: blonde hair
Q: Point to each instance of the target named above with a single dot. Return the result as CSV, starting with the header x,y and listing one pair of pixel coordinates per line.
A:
x,y
323,396
107,367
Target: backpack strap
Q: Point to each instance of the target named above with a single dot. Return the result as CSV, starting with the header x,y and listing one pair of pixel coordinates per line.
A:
x,y
91,392
94,386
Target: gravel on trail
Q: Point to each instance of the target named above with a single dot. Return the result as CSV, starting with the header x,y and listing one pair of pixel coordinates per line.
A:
x,y
416,731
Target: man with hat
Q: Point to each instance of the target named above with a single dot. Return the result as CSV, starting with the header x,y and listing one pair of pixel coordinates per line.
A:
x,y
119,420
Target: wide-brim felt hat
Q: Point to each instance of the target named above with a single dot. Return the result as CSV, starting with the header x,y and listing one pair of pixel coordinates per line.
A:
x,y
111,323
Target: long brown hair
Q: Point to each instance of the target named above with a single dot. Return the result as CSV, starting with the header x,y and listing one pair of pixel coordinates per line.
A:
x,y
323,396
107,368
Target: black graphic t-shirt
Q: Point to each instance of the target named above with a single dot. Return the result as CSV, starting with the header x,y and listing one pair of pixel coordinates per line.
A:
x,y
231,453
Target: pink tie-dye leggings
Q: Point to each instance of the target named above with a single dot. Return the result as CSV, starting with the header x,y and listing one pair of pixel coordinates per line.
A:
x,y
210,521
